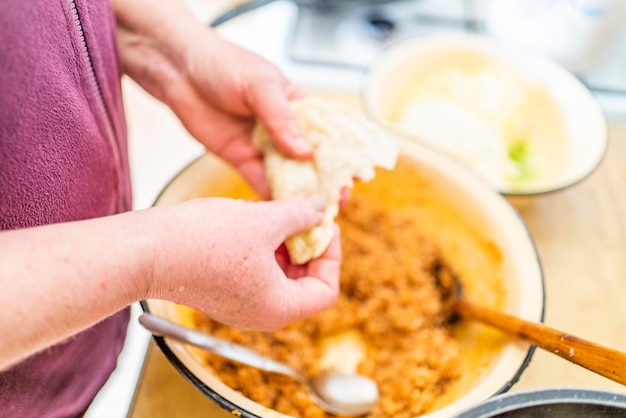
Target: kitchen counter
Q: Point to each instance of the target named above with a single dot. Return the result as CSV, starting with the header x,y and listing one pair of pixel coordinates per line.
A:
x,y
580,234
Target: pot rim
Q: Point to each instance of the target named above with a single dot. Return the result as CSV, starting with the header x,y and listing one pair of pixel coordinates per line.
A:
x,y
513,401
235,408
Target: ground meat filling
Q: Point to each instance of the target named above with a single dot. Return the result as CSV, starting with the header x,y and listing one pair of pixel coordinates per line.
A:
x,y
389,296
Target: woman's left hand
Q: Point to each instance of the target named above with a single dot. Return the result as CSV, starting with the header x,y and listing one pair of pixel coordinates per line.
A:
x,y
217,89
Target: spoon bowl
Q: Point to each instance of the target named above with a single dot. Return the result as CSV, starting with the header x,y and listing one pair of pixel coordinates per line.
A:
x,y
339,393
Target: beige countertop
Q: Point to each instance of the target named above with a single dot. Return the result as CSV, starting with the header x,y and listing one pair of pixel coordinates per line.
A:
x,y
580,234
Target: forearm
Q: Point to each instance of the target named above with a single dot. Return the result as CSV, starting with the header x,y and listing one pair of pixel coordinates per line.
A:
x,y
153,36
157,19
59,279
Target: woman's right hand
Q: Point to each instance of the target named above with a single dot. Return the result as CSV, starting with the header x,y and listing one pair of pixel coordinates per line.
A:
x,y
219,256
213,254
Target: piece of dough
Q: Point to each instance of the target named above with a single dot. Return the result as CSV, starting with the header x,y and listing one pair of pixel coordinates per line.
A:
x,y
347,146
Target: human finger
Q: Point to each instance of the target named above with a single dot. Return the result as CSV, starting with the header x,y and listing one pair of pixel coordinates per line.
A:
x,y
289,216
254,173
344,198
272,106
319,289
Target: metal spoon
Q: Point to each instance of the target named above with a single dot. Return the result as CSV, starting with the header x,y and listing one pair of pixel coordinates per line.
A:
x,y
338,393
602,360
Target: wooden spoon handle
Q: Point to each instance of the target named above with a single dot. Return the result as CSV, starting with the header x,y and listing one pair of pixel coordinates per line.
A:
x,y
605,361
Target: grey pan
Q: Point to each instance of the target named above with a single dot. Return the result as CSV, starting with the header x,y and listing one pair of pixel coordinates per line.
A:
x,y
557,403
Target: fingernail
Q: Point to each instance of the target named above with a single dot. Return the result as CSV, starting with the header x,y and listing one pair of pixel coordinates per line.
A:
x,y
318,202
301,145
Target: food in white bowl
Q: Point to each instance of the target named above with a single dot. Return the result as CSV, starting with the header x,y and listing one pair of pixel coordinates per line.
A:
x,y
395,230
520,122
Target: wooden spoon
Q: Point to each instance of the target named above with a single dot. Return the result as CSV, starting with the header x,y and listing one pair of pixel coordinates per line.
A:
x,y
602,360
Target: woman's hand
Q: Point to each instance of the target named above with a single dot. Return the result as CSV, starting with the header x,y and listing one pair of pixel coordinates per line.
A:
x,y
220,257
215,255
216,88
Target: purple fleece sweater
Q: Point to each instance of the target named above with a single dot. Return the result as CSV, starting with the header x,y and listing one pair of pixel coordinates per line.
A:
x,y
63,157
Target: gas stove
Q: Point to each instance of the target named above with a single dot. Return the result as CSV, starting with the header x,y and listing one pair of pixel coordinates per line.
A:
x,y
351,33
332,42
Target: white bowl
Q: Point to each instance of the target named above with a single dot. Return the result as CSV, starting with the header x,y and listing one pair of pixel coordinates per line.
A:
x,y
485,211
561,122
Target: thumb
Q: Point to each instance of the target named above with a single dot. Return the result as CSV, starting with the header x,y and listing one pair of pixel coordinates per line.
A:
x,y
274,111
292,215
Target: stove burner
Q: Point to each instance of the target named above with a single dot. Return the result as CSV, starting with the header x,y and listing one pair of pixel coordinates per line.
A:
x,y
380,27
351,32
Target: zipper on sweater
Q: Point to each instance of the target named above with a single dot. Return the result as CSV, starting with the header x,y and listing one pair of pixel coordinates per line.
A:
x,y
111,136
